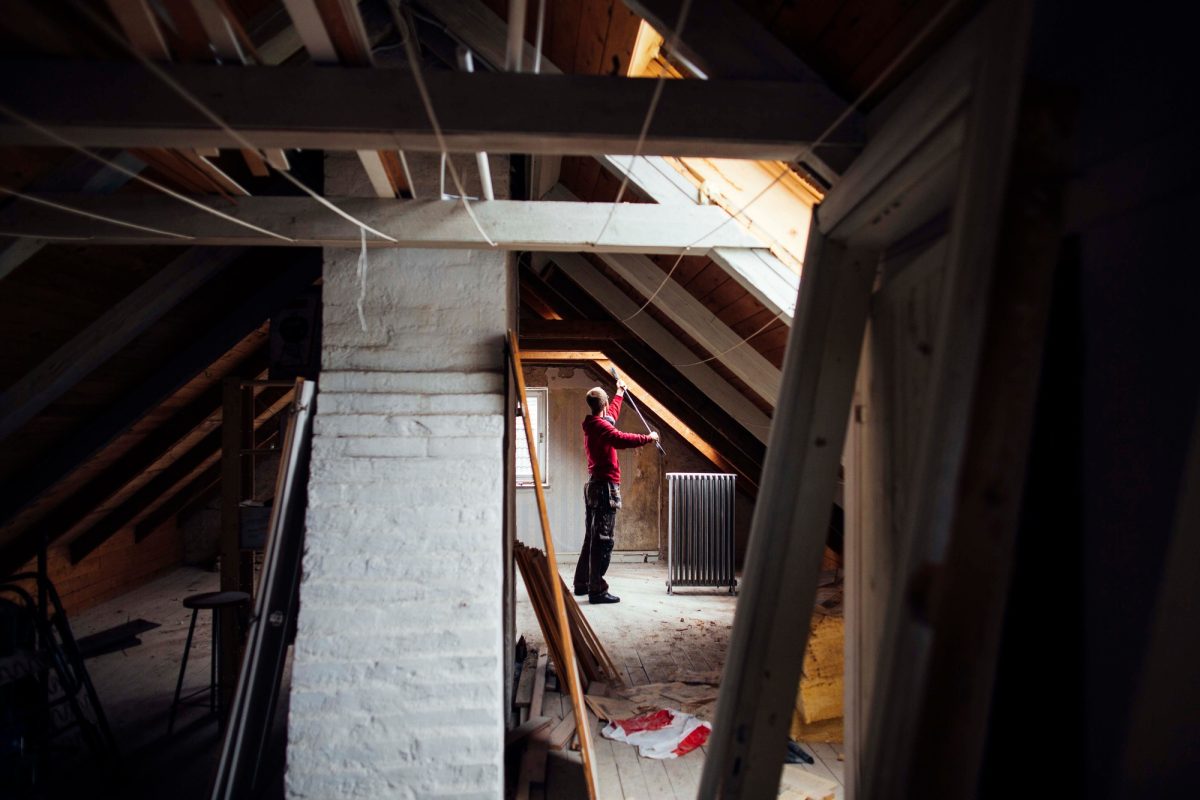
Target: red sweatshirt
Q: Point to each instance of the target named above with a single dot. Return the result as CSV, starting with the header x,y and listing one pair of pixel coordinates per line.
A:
x,y
602,441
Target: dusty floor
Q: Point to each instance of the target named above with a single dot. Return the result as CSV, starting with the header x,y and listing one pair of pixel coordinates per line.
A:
x,y
654,636
136,685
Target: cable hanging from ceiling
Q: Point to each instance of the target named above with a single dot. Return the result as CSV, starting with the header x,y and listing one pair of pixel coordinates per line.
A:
x,y
808,150
408,38
659,85
121,168
234,135
41,201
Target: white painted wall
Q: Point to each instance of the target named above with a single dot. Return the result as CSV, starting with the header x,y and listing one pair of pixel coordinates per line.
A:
x,y
397,688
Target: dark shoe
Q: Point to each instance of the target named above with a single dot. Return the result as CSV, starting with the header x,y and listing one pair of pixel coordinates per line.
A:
x,y
603,597
580,592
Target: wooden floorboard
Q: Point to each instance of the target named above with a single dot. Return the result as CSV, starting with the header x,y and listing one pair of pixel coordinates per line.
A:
x,y
608,781
633,784
829,756
655,638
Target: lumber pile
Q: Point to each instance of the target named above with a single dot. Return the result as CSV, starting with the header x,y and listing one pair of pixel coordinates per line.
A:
x,y
546,730
594,662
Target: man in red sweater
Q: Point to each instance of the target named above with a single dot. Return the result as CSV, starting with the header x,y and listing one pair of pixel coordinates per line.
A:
x,y
602,492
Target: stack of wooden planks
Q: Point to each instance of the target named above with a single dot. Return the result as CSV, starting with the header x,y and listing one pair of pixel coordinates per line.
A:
x,y
547,727
594,662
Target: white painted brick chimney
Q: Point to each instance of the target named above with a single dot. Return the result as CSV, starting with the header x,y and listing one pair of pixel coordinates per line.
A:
x,y
397,688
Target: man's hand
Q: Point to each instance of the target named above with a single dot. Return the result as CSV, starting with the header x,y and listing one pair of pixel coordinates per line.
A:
x,y
620,387
654,436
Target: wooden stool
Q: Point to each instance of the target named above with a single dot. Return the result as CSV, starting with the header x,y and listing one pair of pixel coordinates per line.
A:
x,y
217,601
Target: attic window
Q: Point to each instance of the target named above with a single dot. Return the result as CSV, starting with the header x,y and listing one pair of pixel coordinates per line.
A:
x,y
538,403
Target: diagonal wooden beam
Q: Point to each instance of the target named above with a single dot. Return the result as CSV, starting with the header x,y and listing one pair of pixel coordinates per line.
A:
x,y
673,387
791,519
512,224
118,104
173,476
571,329
233,324
707,382
760,273
721,40
203,412
200,489
78,173
116,328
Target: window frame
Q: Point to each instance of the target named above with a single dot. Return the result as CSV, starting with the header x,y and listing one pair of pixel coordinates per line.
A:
x,y
539,398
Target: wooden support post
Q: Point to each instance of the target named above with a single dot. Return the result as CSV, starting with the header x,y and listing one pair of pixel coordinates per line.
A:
x,y
972,588
569,669
787,537
231,558
945,438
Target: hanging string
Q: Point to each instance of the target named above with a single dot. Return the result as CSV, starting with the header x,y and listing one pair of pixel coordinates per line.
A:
x,y
113,165
199,105
768,324
362,280
41,201
541,28
842,117
879,80
410,50
684,8
650,299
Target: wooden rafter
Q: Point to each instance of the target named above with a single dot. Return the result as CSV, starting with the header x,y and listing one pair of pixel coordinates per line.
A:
x,y
108,334
229,327
512,224
342,108
172,477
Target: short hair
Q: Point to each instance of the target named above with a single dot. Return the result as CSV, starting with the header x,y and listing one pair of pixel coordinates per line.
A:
x,y
594,400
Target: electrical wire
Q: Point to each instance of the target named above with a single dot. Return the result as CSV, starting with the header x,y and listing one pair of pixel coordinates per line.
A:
x,y
408,37
808,150
200,106
684,8
113,165
41,201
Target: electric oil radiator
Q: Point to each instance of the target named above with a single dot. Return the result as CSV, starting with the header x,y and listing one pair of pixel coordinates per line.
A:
x,y
700,530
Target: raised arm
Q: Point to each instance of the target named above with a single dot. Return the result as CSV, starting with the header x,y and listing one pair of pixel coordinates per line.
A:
x,y
619,439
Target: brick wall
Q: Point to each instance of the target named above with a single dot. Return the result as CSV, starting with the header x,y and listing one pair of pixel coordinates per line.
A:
x,y
115,567
397,689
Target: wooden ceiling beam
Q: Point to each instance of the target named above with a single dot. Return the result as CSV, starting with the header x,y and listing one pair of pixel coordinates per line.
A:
x,y
121,104
641,360
693,318
172,477
235,322
512,224
204,411
722,41
669,349
78,173
117,327
571,330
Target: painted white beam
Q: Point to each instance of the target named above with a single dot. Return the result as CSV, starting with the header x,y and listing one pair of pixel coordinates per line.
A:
x,y
512,224
130,317
691,315
757,271
698,322
618,304
121,104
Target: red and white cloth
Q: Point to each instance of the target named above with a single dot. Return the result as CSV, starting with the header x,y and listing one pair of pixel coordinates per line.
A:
x,y
665,733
